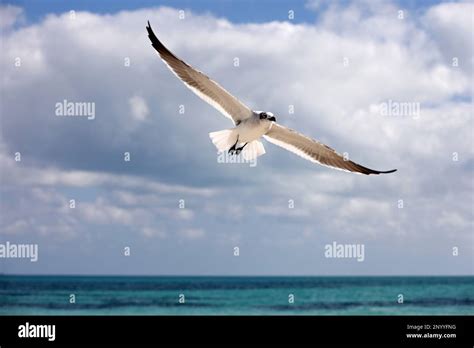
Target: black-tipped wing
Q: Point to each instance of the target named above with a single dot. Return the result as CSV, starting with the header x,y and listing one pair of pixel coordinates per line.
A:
x,y
203,86
314,151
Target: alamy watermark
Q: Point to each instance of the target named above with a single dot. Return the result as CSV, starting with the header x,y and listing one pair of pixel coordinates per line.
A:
x,y
67,108
400,108
21,251
28,330
345,251
225,157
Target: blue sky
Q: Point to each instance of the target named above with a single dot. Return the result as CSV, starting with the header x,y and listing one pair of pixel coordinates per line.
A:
x,y
235,11
336,63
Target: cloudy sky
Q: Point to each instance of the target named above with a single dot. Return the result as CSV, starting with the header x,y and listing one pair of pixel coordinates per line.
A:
x,y
338,65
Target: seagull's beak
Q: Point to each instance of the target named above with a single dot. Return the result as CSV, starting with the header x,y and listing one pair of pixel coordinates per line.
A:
x,y
272,119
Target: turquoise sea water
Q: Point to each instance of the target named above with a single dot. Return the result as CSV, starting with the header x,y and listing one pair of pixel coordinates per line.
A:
x,y
45,295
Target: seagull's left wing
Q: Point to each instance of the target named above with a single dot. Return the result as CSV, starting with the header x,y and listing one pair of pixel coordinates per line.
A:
x,y
200,84
313,150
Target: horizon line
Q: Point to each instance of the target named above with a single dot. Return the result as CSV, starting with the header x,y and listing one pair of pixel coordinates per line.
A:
x,y
234,275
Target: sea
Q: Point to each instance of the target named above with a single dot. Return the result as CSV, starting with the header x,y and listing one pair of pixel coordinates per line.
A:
x,y
210,295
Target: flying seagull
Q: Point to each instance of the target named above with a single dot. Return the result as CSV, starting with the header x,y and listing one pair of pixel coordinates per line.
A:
x,y
251,125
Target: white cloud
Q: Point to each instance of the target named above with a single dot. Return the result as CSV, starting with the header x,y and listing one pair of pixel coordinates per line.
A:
x,y
22,174
106,213
153,232
453,220
404,66
280,64
451,23
138,108
9,15
16,227
192,233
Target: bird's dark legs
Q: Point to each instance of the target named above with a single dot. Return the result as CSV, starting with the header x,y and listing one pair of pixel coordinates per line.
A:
x,y
232,150
235,151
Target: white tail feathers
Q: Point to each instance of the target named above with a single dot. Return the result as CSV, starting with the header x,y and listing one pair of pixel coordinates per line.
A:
x,y
253,150
225,139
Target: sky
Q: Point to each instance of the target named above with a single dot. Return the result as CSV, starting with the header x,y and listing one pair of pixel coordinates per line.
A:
x,y
337,71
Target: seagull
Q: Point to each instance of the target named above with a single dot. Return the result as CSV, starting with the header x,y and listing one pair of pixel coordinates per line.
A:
x,y
251,125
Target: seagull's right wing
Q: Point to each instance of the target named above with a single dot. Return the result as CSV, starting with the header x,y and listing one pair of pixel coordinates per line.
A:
x,y
313,150
200,84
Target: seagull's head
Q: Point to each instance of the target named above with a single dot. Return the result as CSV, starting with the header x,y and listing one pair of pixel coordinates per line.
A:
x,y
267,116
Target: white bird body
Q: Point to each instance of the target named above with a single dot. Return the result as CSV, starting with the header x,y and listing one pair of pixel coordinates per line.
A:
x,y
251,125
252,128
247,134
